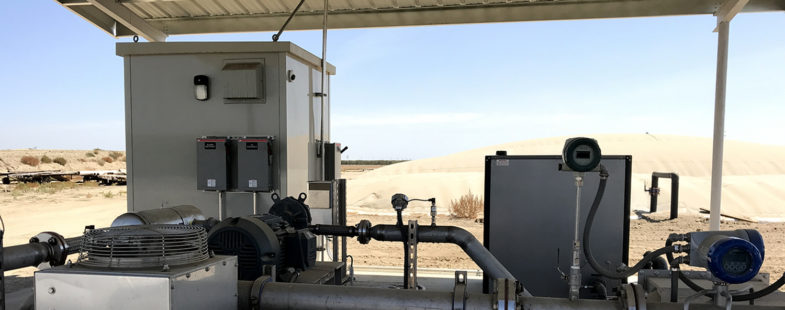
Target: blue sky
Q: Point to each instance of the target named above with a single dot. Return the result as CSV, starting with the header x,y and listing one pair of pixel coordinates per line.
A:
x,y
416,92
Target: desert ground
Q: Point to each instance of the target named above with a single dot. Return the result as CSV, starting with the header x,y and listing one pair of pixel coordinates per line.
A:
x,y
754,179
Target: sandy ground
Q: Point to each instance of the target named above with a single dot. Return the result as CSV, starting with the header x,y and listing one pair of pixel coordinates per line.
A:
x,y
67,211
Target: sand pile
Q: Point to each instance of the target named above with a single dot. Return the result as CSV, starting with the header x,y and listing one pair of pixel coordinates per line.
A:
x,y
754,174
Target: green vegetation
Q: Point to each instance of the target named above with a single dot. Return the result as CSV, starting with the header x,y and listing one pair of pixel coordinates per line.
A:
x,y
100,162
89,154
46,188
468,206
371,162
96,150
61,161
30,161
115,155
107,194
46,160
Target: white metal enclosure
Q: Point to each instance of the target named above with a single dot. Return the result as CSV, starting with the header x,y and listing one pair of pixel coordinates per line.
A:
x,y
163,118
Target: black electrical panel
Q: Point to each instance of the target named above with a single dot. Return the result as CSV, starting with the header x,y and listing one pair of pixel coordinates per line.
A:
x,y
252,165
212,163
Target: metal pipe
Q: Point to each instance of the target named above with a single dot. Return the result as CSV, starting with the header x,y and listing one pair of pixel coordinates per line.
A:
x,y
575,270
322,92
178,215
431,234
277,295
719,125
254,203
25,255
450,234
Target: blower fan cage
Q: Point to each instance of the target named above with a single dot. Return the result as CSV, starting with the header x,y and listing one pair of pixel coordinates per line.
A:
x,y
144,246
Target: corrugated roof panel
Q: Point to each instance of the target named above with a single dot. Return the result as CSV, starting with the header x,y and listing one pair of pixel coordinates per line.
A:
x,y
152,10
259,7
138,11
215,16
234,7
193,8
212,8
173,9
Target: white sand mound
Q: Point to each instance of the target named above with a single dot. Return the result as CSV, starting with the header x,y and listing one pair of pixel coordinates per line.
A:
x,y
753,183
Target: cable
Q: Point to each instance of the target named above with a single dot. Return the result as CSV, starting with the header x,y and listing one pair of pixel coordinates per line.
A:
x,y
587,233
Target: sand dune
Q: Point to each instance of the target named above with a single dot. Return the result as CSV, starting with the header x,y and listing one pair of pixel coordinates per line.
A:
x,y
754,174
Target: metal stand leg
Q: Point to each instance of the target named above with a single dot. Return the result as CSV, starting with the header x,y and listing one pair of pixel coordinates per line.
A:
x,y
220,205
254,203
575,269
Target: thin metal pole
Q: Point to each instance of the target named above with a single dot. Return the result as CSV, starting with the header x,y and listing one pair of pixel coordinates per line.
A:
x,y
254,203
719,125
321,89
220,205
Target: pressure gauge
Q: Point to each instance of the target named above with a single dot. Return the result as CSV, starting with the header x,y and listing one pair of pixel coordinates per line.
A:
x,y
581,154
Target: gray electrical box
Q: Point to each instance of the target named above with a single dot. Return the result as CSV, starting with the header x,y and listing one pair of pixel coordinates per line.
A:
x,y
332,161
212,164
248,89
211,284
252,164
530,217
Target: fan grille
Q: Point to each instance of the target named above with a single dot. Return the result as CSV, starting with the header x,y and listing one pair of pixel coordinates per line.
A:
x,y
144,246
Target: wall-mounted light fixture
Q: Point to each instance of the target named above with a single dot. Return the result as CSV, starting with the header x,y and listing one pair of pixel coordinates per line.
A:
x,y
201,84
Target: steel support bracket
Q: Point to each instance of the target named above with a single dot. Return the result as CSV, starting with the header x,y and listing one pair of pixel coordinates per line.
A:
x,y
505,297
411,260
459,291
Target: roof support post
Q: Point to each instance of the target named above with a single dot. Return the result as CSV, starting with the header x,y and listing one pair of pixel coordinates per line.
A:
x,y
723,28
123,15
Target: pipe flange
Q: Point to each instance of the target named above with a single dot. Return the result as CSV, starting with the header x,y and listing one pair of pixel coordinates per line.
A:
x,y
364,231
57,246
256,290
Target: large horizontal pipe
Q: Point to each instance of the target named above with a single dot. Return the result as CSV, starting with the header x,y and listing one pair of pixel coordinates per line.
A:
x,y
35,253
25,255
281,296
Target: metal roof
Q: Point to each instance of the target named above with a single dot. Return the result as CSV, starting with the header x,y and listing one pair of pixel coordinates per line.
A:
x,y
156,19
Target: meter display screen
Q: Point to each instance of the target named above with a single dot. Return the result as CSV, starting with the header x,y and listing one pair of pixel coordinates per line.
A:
x,y
736,261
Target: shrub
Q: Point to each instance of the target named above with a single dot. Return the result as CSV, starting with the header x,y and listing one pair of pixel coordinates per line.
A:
x,y
115,155
89,154
30,161
123,159
46,160
96,150
107,159
107,194
467,206
90,184
61,161
100,162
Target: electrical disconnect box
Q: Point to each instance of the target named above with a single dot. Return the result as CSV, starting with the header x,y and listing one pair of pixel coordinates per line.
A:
x,y
332,161
252,164
212,164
